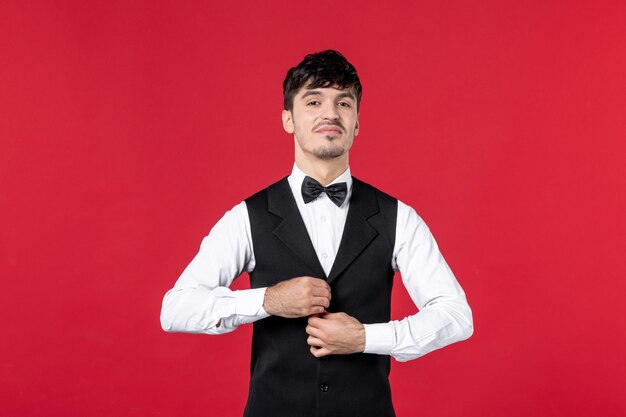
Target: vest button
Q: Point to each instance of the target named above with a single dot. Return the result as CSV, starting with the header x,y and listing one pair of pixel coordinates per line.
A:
x,y
324,387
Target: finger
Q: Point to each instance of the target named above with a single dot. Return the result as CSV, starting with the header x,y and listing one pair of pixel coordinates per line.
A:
x,y
321,292
316,311
311,311
313,331
315,342
331,316
315,321
318,282
320,352
321,301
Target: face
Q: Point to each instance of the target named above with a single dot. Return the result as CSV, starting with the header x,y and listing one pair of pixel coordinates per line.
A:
x,y
324,121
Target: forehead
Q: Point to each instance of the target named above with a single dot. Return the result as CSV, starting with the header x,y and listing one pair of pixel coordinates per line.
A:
x,y
334,92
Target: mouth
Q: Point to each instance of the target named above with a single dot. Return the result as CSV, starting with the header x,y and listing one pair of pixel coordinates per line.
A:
x,y
329,130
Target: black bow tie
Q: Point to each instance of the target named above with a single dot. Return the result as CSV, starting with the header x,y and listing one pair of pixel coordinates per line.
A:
x,y
336,192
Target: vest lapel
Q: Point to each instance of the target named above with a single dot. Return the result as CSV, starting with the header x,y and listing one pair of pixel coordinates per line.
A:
x,y
357,232
292,231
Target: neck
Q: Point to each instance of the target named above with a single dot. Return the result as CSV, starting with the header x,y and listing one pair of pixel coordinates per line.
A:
x,y
322,170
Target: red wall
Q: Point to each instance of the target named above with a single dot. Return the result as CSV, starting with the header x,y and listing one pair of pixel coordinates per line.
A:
x,y
128,128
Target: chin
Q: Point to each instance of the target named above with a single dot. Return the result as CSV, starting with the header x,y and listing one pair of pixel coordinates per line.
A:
x,y
326,153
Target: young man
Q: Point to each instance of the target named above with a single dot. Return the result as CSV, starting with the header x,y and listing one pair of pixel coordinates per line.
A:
x,y
321,248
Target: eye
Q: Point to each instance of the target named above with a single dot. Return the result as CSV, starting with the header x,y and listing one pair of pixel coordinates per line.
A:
x,y
313,103
344,104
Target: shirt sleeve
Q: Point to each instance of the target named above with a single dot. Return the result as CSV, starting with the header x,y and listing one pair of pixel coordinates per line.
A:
x,y
444,316
201,301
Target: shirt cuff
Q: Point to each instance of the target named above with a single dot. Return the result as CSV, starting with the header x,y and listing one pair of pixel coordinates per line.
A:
x,y
250,302
379,338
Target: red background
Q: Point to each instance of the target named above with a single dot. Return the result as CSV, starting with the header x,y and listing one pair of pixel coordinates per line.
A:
x,y
128,128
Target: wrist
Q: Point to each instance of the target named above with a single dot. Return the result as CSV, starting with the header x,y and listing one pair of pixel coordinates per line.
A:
x,y
361,344
267,301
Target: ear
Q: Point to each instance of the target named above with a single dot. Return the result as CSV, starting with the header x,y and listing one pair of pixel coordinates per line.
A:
x,y
356,127
288,122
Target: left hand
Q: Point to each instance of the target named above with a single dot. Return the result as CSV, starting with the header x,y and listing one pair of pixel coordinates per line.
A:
x,y
335,334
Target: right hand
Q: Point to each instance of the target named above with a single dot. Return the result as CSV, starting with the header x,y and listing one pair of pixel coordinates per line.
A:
x,y
297,297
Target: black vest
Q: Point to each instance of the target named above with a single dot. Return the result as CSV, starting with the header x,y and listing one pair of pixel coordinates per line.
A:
x,y
286,379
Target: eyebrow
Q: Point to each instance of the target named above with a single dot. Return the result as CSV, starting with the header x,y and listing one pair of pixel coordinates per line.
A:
x,y
318,93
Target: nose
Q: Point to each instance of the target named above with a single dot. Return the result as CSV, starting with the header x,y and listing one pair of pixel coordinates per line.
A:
x,y
330,112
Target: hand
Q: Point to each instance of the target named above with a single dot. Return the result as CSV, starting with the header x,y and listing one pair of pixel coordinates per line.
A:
x,y
335,334
297,297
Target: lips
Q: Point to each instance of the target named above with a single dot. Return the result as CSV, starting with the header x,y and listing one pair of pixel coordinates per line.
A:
x,y
329,130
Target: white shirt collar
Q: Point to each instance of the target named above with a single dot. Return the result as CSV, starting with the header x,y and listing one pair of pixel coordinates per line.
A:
x,y
297,176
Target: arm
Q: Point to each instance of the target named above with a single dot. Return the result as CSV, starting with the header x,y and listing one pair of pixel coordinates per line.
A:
x,y
444,316
201,301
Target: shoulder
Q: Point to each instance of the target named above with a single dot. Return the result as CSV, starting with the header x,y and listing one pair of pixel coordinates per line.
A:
x,y
231,227
382,197
410,224
261,196
236,215
407,212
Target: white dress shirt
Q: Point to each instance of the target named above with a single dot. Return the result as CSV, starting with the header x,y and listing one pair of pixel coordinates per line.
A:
x,y
201,301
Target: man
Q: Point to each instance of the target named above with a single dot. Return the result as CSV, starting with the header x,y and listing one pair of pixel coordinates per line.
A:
x,y
321,248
